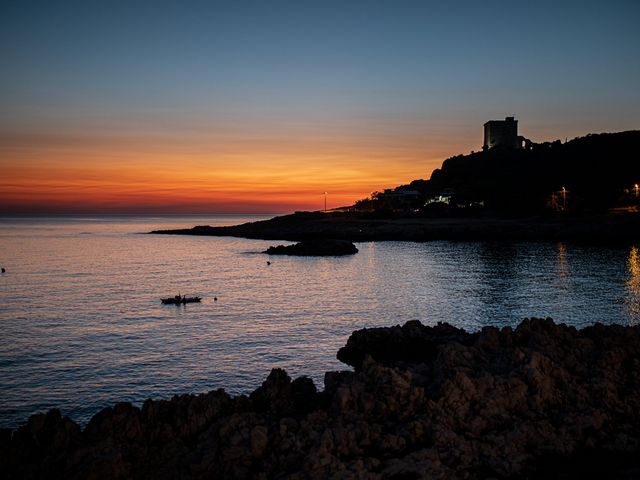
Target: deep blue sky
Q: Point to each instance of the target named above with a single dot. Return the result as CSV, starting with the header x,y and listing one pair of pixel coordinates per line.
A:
x,y
406,75
558,62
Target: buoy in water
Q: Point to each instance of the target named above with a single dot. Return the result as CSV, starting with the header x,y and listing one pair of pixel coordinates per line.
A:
x,y
3,270
215,299
268,263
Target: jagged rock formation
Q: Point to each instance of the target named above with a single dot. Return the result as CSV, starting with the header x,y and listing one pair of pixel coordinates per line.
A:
x,y
540,401
315,248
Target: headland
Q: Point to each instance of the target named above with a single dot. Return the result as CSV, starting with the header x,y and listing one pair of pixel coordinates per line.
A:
x,y
586,190
605,228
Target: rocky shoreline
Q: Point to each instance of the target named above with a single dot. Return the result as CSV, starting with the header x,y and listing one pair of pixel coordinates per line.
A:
x,y
607,228
539,401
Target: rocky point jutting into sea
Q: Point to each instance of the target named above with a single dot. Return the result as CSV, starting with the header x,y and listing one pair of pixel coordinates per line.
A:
x,y
612,228
539,401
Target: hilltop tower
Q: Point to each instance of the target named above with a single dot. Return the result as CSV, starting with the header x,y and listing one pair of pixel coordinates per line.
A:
x,y
501,133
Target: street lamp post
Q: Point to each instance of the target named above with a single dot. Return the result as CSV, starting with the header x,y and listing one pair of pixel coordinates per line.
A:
x,y
564,199
635,188
325,201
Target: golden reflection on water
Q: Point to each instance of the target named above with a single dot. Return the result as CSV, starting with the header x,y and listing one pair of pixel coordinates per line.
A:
x,y
632,299
562,264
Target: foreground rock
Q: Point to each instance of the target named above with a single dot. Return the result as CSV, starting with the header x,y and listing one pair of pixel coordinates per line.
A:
x,y
540,401
315,248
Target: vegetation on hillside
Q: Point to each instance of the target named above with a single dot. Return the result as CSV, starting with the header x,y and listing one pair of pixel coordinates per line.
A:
x,y
588,174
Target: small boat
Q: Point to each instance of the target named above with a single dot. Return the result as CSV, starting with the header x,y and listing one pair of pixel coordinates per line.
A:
x,y
180,300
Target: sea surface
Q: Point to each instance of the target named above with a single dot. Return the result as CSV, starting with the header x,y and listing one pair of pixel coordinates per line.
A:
x,y
82,325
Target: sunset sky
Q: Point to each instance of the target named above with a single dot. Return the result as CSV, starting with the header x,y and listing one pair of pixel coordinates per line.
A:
x,y
261,106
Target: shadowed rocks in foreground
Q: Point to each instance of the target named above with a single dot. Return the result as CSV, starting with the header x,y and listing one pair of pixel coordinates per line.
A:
x,y
540,401
315,248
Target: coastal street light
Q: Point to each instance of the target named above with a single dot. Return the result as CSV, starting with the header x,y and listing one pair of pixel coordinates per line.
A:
x,y
564,198
635,188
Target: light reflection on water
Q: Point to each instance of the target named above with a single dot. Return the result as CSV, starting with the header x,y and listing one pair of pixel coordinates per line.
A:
x,y
82,325
632,299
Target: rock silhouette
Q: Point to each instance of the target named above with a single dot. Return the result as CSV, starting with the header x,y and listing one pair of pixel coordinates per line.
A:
x,y
315,248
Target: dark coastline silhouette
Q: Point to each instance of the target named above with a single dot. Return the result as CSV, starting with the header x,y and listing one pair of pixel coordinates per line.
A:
x,y
618,228
585,190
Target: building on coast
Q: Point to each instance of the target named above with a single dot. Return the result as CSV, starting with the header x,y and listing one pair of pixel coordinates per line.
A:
x,y
502,133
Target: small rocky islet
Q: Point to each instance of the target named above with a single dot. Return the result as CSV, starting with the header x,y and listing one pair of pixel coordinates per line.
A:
x,y
543,400
315,248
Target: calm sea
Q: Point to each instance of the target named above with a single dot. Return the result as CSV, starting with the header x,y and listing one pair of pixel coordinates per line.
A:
x,y
82,326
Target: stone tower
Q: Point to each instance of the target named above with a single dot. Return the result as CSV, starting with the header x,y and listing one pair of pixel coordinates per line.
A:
x,y
501,133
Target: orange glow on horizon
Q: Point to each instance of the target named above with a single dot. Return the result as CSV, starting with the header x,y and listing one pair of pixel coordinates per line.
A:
x,y
53,174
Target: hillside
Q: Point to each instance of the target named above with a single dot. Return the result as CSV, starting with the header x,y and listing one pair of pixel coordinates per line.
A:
x,y
598,171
